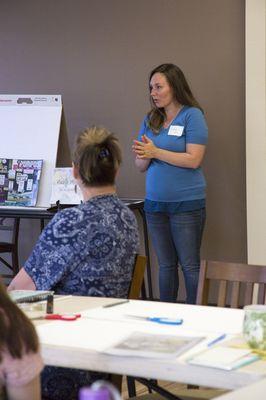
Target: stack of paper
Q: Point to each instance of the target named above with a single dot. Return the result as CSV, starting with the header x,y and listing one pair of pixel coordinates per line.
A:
x,y
29,296
227,358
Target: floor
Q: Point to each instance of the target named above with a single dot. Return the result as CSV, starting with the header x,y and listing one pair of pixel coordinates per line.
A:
x,y
175,388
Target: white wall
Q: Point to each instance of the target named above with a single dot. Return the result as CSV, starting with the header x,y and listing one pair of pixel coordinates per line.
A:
x,y
256,130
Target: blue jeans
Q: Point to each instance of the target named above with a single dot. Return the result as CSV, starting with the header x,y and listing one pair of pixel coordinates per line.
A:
x,y
176,239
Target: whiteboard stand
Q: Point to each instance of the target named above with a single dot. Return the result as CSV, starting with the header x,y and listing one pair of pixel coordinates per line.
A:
x,y
34,127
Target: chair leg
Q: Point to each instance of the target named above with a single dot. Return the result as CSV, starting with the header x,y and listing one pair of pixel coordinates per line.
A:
x,y
5,263
117,381
131,387
15,263
154,381
152,384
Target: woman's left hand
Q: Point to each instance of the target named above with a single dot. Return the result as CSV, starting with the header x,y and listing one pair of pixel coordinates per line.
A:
x,y
145,149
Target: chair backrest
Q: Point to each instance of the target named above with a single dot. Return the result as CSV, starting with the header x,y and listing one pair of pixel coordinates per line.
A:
x,y
10,247
14,228
133,294
137,277
232,280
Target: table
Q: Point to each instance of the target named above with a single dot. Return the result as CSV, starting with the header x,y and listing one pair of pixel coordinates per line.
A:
x,y
43,214
255,391
70,352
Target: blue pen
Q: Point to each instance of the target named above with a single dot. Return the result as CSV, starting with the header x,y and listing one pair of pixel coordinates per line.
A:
x,y
159,320
216,340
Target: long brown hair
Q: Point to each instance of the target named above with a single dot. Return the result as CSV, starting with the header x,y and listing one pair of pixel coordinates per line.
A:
x,y
17,334
181,93
98,155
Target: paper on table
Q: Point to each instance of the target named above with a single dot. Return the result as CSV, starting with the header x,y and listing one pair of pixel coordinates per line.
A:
x,y
199,319
143,344
82,334
91,334
223,358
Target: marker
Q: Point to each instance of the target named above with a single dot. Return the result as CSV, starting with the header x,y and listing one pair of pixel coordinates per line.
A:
x,y
216,340
50,304
116,304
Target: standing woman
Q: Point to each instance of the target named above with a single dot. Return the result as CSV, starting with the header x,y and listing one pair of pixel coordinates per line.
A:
x,y
20,361
170,148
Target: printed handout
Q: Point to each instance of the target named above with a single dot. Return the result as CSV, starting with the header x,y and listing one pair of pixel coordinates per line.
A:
x,y
144,344
64,188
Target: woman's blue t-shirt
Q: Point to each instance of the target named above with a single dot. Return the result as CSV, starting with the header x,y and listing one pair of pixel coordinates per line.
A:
x,y
169,183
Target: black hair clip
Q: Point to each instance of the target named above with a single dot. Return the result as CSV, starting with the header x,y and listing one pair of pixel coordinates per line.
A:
x,y
104,153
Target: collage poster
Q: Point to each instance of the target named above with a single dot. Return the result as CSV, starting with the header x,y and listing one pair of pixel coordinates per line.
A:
x,y
19,181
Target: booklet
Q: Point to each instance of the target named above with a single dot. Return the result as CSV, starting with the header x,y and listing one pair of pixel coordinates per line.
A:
x,y
19,181
29,296
227,358
142,344
64,187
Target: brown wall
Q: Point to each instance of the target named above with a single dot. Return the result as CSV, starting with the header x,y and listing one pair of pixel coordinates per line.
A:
x,y
98,53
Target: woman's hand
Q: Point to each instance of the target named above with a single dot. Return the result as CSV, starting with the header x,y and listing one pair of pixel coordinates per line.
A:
x,y
145,149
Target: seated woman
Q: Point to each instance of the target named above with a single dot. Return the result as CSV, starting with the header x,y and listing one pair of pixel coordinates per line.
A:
x,y
85,250
20,361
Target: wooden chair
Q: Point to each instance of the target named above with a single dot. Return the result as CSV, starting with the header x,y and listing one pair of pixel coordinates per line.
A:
x,y
133,294
137,277
237,280
11,247
236,284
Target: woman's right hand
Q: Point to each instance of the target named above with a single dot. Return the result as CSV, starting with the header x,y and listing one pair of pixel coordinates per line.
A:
x,y
141,163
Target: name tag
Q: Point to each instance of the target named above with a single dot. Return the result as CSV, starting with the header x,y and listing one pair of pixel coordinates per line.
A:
x,y
175,130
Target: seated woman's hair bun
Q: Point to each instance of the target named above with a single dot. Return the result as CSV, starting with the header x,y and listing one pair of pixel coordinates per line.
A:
x,y
98,156
104,153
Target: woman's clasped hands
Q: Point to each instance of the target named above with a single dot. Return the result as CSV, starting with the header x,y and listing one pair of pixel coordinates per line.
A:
x,y
145,148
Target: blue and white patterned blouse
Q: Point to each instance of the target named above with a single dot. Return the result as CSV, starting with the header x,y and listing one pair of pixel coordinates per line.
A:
x,y
87,250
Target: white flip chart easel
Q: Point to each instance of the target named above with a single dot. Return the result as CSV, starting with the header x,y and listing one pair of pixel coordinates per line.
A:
x,y
33,127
